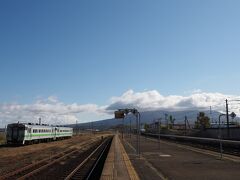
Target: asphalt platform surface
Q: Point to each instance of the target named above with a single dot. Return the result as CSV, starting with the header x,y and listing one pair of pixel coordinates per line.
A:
x,y
168,160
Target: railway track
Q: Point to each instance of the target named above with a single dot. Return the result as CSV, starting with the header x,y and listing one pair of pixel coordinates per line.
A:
x,y
61,165
91,166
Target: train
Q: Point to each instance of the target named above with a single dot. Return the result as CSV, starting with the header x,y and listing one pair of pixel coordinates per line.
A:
x,y
29,133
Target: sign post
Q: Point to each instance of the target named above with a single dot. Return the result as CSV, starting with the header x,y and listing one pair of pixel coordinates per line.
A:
x,y
121,113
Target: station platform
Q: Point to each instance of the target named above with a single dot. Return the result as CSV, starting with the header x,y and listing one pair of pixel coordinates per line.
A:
x,y
117,165
168,160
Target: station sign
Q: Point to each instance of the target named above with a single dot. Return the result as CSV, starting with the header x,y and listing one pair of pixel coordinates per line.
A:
x,y
119,115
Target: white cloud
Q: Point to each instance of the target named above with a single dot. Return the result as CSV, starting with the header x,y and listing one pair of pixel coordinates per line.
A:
x,y
53,111
153,100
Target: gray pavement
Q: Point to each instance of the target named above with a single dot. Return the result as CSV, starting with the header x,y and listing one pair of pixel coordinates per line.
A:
x,y
172,161
120,170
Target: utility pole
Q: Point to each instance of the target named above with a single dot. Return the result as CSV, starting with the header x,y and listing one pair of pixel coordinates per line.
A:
x,y
92,126
137,139
130,127
185,125
159,127
211,114
228,133
166,119
139,133
76,127
220,135
122,126
5,133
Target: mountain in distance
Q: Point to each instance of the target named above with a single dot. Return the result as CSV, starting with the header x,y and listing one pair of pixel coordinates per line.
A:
x,y
149,117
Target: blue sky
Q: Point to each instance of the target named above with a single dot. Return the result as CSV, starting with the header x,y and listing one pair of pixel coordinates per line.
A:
x,y
89,51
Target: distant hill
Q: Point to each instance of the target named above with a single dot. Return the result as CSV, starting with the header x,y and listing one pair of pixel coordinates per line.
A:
x,y
149,117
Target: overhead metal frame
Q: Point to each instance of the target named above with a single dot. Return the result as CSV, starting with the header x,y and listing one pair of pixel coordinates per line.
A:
x,y
121,113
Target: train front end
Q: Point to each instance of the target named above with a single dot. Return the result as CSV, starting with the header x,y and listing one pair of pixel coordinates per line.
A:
x,y
15,133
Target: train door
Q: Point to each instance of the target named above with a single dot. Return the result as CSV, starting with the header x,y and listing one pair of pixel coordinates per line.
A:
x,y
30,133
15,133
55,134
9,133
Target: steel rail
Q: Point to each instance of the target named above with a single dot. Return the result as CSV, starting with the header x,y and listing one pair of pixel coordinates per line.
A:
x,y
98,160
52,162
45,162
85,160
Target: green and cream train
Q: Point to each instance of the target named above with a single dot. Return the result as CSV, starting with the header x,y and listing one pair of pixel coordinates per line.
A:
x,y
28,133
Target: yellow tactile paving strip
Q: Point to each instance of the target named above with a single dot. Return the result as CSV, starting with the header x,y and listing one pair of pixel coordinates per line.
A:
x,y
111,168
131,171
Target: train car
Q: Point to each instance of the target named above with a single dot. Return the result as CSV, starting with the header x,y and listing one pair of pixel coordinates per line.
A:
x,y
63,132
22,133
